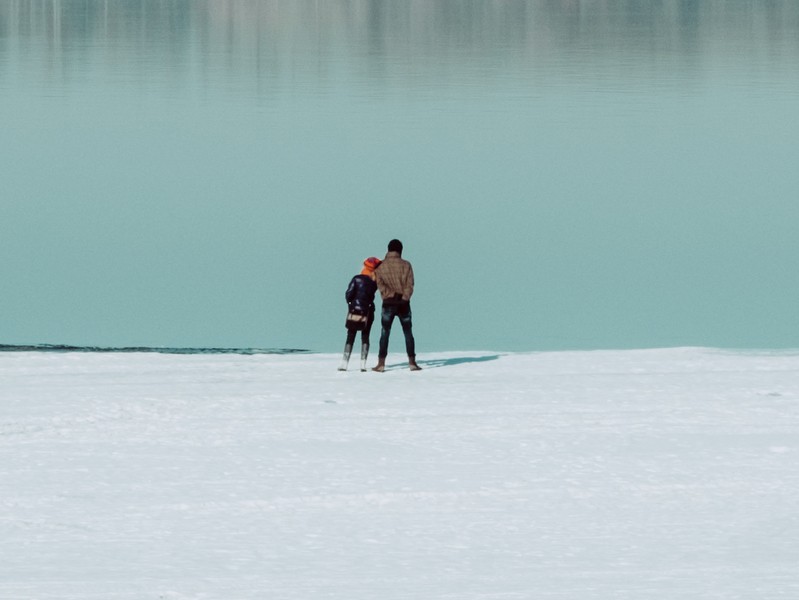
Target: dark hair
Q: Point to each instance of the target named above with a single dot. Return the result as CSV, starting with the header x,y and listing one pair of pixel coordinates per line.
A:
x,y
395,246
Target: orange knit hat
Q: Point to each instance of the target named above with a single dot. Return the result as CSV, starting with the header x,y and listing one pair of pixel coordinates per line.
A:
x,y
370,264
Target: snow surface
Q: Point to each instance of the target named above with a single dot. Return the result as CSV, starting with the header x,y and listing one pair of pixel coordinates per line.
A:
x,y
575,475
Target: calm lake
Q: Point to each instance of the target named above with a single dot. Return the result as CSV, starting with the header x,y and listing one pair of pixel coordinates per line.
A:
x,y
563,173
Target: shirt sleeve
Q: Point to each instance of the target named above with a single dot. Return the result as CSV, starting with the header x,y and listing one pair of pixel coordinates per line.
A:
x,y
408,291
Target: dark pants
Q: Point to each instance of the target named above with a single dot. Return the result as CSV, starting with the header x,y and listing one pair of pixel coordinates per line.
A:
x,y
351,333
403,311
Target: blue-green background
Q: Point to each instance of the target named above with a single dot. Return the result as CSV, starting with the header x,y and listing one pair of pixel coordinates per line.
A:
x,y
564,174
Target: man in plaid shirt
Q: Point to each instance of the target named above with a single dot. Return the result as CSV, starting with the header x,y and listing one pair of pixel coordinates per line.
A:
x,y
394,279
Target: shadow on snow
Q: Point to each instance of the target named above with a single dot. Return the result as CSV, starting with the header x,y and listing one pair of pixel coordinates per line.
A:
x,y
447,362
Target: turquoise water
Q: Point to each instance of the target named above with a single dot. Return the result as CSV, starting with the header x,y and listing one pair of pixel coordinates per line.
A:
x,y
564,174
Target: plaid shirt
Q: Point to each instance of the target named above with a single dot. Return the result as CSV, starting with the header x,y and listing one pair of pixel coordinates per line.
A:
x,y
394,278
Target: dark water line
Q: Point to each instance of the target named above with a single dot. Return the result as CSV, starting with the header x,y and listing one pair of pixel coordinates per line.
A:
x,y
146,349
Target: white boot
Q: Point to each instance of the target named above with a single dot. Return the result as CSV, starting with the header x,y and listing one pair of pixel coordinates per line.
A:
x,y
345,360
364,354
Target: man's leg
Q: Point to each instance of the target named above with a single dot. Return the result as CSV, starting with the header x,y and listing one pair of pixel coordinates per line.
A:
x,y
407,329
386,319
410,344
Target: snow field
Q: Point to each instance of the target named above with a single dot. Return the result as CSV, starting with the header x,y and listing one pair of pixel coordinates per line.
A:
x,y
651,474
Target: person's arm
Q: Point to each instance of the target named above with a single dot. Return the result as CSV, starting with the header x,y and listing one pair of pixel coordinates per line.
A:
x,y
407,291
350,293
382,288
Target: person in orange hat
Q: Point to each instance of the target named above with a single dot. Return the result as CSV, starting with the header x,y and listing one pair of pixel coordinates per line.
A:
x,y
360,296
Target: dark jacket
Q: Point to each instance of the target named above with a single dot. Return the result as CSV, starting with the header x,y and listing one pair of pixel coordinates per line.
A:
x,y
360,294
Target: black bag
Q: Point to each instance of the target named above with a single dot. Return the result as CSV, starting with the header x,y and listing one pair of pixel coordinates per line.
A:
x,y
356,321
